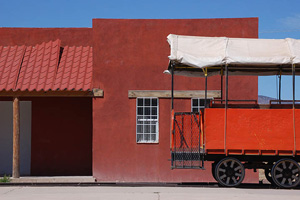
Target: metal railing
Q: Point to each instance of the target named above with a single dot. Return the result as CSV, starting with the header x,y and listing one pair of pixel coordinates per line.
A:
x,y
187,149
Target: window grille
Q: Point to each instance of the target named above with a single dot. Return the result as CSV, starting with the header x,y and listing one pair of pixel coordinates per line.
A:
x,y
147,120
198,104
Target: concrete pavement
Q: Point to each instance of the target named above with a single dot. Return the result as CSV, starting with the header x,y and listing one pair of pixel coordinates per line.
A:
x,y
144,193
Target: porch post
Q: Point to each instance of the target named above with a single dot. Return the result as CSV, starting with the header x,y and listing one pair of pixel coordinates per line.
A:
x,y
16,138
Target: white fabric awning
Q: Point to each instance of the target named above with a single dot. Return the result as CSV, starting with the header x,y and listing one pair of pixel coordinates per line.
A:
x,y
244,56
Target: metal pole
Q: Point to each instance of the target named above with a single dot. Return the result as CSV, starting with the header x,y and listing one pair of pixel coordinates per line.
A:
x,y
294,123
205,98
294,86
172,90
226,105
221,84
226,86
279,88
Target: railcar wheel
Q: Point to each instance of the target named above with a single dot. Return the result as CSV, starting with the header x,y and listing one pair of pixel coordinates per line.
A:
x,y
229,172
269,176
213,168
286,173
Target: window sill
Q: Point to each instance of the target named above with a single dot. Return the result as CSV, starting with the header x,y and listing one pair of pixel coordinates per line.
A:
x,y
147,142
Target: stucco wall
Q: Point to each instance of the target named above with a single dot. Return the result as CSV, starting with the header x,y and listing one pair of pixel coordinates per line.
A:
x,y
61,136
132,55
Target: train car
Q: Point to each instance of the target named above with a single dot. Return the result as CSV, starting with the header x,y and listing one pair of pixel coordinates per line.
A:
x,y
237,134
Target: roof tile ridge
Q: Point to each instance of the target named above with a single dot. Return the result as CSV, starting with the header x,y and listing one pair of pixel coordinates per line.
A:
x,y
71,68
64,53
20,68
39,74
58,58
80,58
35,55
1,72
87,62
51,49
10,68
19,85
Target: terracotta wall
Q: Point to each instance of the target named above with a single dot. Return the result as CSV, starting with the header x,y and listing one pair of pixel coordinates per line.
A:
x,y
132,55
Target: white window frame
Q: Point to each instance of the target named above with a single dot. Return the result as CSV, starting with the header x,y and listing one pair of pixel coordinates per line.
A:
x,y
144,118
199,106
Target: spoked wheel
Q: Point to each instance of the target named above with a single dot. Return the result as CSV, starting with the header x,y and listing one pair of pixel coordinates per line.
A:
x,y
286,173
213,169
268,176
229,172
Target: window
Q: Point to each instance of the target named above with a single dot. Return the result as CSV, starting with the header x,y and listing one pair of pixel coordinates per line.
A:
x,y
198,104
147,120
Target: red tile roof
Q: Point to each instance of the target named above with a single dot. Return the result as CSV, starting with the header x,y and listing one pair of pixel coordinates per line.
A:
x,y
45,67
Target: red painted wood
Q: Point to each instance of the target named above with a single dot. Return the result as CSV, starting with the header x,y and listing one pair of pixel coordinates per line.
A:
x,y
252,131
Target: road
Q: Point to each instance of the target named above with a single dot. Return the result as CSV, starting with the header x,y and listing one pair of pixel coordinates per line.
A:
x,y
142,193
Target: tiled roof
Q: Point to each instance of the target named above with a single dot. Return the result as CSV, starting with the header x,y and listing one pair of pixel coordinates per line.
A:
x,y
45,67
75,70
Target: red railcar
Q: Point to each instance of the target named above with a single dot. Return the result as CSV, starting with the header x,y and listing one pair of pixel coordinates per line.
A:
x,y
237,134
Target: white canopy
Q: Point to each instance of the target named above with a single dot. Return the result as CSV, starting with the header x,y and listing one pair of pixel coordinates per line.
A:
x,y
191,54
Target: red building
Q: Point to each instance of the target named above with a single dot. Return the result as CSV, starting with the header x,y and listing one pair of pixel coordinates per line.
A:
x,y
124,134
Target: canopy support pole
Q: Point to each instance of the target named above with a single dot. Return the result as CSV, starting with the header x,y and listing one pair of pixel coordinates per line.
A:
x,y
172,86
205,96
279,87
16,138
294,125
222,84
226,106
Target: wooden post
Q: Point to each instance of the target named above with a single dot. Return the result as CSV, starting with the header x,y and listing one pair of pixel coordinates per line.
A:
x,y
16,138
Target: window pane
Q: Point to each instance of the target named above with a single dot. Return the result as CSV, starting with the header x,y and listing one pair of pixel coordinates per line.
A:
x,y
147,102
153,122
195,102
139,137
147,110
140,120
154,111
154,102
140,102
207,102
139,129
153,137
195,110
153,128
140,111
147,137
146,128
202,102
154,117
147,120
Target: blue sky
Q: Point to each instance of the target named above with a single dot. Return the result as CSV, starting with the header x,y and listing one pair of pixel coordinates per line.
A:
x,y
277,18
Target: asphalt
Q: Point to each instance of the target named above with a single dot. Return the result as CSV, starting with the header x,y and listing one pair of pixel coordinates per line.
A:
x,y
145,192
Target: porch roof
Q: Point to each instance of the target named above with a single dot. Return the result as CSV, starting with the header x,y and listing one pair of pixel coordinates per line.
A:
x,y
45,67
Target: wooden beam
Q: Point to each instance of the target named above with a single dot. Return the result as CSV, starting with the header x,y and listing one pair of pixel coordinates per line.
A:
x,y
94,93
177,93
97,92
16,138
